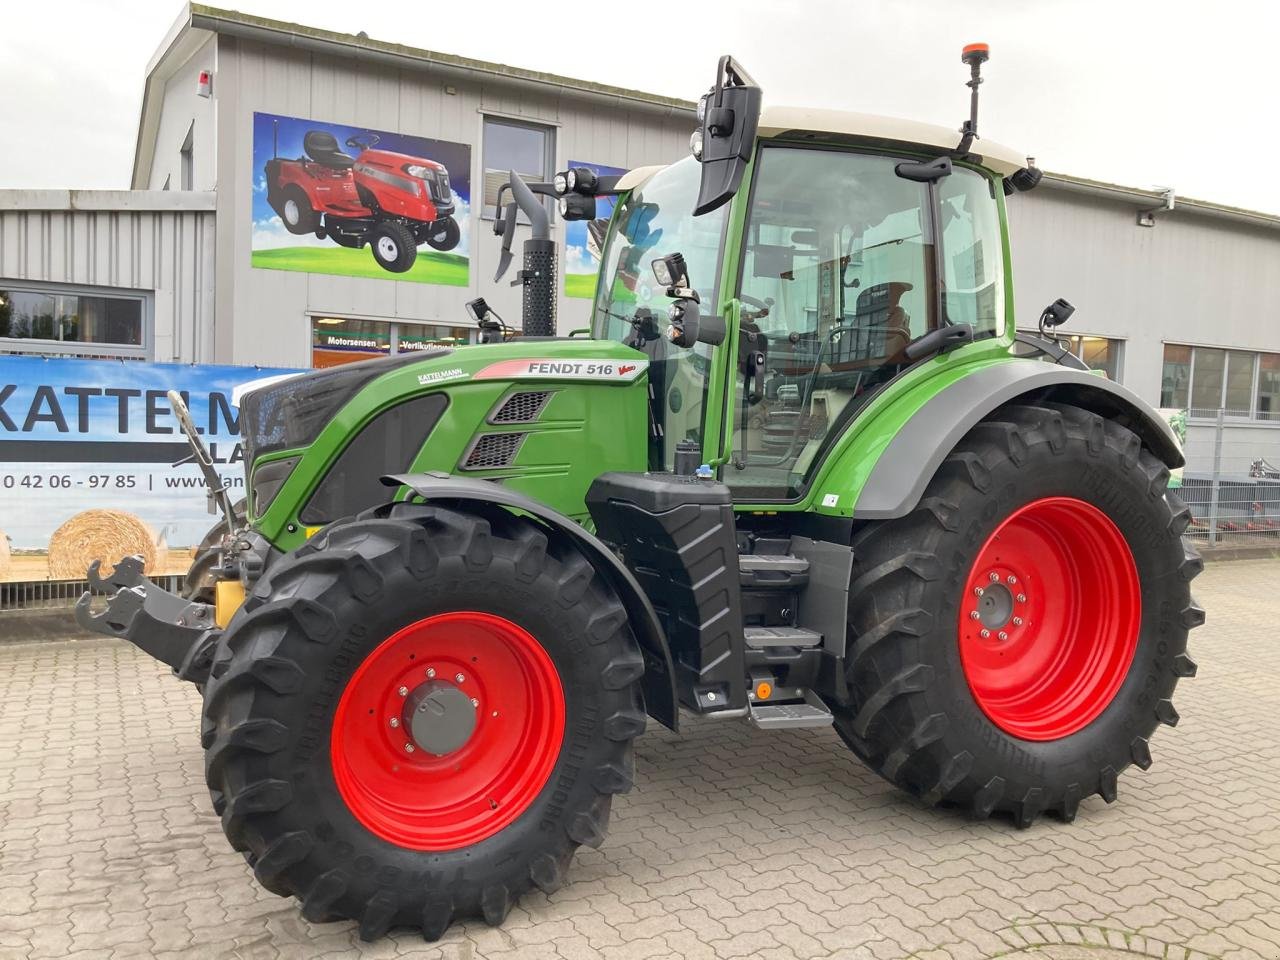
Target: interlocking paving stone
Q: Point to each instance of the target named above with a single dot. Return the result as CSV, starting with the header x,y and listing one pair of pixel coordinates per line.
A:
x,y
735,842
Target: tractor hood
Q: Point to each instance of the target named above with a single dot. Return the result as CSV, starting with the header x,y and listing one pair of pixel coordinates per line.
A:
x,y
543,417
397,161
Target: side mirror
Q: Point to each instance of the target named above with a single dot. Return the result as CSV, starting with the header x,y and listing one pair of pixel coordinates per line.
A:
x,y
727,120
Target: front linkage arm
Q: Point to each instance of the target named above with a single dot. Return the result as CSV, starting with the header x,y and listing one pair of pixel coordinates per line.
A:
x,y
173,630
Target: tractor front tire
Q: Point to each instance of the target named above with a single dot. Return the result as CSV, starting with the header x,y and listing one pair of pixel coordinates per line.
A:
x,y
419,715
1015,641
444,234
199,583
393,246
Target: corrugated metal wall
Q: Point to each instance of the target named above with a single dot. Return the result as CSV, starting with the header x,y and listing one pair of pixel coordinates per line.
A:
x,y
262,314
1191,279
121,241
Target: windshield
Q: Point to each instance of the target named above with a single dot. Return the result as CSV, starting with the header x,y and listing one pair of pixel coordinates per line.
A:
x,y
652,221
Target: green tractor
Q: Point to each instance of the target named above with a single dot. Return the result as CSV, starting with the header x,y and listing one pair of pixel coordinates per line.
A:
x,y
801,472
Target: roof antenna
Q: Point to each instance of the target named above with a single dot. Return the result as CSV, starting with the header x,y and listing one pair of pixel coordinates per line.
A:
x,y
975,55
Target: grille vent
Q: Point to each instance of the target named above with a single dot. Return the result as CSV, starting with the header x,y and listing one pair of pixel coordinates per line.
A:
x,y
493,450
522,407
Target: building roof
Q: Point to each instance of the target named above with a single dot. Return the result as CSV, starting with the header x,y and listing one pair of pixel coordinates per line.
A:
x,y
197,21
1161,202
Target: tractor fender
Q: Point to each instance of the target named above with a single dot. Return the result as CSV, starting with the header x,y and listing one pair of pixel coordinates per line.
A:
x,y
659,682
898,479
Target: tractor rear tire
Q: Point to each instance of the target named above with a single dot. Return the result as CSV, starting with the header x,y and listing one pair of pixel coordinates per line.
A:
x,y
393,246
296,212
1016,640
314,697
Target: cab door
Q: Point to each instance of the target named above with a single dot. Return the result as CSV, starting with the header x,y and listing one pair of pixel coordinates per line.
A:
x,y
843,264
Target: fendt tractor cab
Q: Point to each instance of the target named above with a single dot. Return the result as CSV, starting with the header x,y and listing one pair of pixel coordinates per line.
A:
x,y
801,472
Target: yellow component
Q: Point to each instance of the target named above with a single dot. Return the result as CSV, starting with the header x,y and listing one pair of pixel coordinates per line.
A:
x,y
763,690
228,595
311,531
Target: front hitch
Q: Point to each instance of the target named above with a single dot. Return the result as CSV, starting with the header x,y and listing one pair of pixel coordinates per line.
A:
x,y
173,630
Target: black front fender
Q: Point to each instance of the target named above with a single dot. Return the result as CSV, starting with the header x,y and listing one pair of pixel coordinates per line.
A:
x,y
908,463
659,682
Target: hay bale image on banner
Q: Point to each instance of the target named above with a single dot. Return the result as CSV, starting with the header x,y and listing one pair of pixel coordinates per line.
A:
x,y
105,535
584,239
349,200
93,465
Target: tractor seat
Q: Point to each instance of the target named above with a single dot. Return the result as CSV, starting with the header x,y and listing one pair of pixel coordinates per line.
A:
x,y
322,147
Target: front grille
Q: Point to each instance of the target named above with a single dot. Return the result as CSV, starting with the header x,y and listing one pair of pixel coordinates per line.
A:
x,y
521,407
492,450
443,193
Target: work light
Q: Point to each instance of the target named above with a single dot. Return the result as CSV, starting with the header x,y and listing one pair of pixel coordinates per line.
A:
x,y
574,206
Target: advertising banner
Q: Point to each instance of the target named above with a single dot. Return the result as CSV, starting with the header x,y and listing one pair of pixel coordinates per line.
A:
x,y
347,200
87,455
583,239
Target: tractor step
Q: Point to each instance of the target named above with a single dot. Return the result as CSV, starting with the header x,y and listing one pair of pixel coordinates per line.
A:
x,y
791,716
772,571
762,638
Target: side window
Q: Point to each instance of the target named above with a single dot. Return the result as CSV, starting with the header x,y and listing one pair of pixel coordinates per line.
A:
x,y
837,280
972,252
526,148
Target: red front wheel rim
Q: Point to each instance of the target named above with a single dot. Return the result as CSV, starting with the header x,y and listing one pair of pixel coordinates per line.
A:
x,y
1049,619
448,731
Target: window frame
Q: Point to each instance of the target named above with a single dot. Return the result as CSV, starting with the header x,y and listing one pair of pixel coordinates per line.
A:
x,y
79,348
396,327
549,131
1251,417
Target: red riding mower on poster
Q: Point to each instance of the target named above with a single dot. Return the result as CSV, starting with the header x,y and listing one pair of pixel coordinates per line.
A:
x,y
391,201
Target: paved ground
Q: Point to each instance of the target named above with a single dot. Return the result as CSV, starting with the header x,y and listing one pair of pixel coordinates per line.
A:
x,y
736,843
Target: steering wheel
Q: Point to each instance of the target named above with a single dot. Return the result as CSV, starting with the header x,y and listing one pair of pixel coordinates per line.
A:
x,y
760,309
362,141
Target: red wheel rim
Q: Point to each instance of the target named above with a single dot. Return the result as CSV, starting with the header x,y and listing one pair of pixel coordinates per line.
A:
x,y
1049,620
489,673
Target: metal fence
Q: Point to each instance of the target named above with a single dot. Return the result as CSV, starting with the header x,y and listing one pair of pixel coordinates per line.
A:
x,y
1232,479
53,594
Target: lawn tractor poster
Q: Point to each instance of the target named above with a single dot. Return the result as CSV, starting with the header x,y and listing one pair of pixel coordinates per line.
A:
x,y
583,239
338,199
88,450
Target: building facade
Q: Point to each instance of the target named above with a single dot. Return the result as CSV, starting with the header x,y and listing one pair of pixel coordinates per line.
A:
x,y
1175,298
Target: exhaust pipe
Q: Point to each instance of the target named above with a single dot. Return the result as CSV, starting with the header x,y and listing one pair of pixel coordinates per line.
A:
x,y
538,270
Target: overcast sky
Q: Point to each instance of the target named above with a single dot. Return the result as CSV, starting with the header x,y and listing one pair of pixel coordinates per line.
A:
x,y
1141,93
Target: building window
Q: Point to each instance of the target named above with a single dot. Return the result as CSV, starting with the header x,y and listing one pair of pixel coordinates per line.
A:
x,y
338,340
186,158
1098,353
1203,380
1175,378
526,148
1268,405
65,322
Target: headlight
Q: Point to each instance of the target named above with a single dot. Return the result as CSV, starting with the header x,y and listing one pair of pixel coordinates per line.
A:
x,y
695,144
417,170
702,107
561,183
